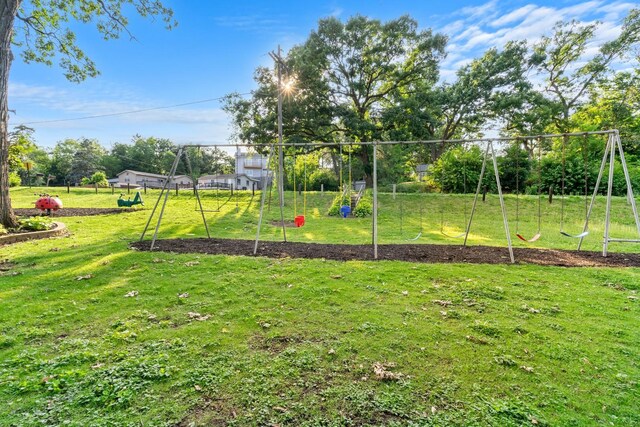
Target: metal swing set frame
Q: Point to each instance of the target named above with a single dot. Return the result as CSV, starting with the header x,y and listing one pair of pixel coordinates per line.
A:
x,y
612,146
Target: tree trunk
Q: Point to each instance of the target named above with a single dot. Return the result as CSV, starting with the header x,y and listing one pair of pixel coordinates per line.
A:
x,y
365,158
8,10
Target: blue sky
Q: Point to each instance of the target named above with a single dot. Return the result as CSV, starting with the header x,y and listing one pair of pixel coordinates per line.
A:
x,y
217,46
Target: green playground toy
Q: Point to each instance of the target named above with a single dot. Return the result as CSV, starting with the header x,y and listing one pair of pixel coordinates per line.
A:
x,y
137,200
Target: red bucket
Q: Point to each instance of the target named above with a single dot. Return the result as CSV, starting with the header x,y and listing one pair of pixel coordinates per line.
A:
x,y
299,220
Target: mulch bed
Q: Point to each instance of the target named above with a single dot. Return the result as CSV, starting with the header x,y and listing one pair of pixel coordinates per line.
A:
x,y
64,212
409,252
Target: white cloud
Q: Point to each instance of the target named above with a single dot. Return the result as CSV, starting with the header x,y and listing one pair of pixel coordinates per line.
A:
x,y
516,15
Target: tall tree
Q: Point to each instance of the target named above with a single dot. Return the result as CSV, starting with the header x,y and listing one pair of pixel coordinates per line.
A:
x,y
569,73
87,159
62,160
347,75
41,30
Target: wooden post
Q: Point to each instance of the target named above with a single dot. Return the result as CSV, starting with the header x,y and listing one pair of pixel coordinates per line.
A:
x,y
321,188
95,184
113,188
253,188
176,188
550,194
484,193
68,189
393,186
145,187
300,189
128,188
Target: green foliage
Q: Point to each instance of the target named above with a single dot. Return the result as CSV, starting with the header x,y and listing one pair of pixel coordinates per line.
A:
x,y
35,223
21,144
98,178
515,169
458,170
43,29
2,232
14,179
364,208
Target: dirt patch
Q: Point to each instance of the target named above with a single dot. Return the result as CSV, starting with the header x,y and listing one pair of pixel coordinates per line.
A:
x,y
64,212
210,412
409,252
275,344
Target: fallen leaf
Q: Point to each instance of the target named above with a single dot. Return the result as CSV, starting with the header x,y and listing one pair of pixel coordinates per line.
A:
x,y
191,263
85,277
527,368
405,293
131,294
336,276
476,340
197,387
184,295
444,303
197,316
381,371
331,351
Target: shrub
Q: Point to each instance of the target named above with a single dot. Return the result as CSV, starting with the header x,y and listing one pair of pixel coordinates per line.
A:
x,y
97,178
35,223
364,207
14,179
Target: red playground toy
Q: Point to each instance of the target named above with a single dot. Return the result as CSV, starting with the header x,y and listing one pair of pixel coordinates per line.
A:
x,y
48,203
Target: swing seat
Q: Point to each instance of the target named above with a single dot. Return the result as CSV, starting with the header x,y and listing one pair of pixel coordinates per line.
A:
x,y
531,240
416,238
345,211
299,220
575,236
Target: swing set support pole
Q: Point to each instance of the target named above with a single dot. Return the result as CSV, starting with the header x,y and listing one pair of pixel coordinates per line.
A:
x,y
195,190
502,206
475,198
627,178
262,198
607,215
172,174
595,190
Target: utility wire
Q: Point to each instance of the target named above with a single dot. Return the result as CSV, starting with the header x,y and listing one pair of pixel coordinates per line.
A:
x,y
122,113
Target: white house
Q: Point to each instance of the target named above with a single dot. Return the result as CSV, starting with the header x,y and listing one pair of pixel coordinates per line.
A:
x,y
152,180
240,181
253,165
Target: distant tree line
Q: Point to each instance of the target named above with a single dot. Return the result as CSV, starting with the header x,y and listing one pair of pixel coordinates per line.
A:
x,y
84,161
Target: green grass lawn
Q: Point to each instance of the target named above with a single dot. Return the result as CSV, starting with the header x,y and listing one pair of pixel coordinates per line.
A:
x,y
293,342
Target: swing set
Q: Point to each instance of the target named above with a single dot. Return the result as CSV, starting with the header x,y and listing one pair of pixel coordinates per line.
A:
x,y
612,149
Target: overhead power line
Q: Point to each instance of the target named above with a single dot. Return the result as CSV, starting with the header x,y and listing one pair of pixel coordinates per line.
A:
x,y
122,113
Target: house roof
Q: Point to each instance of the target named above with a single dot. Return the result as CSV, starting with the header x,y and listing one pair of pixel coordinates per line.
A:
x,y
153,175
228,176
183,176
